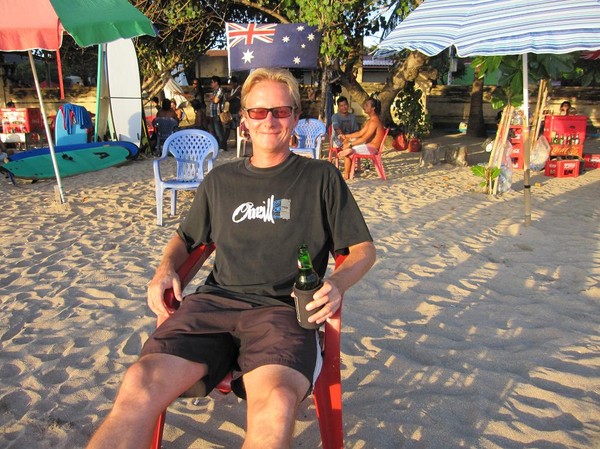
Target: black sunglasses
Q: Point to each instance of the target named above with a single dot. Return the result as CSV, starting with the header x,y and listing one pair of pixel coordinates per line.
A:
x,y
261,113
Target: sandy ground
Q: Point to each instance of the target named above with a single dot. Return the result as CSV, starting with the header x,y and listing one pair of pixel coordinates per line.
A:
x,y
471,331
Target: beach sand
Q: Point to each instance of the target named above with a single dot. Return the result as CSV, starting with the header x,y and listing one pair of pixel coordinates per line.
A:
x,y
471,331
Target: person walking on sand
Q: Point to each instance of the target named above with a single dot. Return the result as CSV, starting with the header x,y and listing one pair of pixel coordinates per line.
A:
x,y
367,140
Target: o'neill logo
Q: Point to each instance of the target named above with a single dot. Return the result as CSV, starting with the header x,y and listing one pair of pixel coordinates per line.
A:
x,y
269,211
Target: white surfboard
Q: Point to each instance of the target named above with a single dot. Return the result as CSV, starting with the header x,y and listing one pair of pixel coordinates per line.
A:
x,y
104,126
125,90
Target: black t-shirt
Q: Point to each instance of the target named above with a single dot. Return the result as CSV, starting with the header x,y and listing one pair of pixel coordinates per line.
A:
x,y
258,217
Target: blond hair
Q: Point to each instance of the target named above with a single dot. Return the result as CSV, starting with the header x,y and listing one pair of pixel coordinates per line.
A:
x,y
272,74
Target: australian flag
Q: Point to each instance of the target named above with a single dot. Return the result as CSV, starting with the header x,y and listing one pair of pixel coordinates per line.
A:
x,y
289,45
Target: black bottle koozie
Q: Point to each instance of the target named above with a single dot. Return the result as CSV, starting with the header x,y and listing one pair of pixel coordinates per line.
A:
x,y
301,298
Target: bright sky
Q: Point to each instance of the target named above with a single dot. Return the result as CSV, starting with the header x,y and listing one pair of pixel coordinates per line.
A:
x,y
375,39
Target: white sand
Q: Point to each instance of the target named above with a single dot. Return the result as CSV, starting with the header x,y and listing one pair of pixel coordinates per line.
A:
x,y
471,331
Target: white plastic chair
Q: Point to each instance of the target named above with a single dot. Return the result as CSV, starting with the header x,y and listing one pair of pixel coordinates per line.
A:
x,y
310,133
242,139
191,148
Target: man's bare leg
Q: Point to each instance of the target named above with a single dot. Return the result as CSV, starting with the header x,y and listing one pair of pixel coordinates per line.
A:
x,y
346,154
146,391
274,394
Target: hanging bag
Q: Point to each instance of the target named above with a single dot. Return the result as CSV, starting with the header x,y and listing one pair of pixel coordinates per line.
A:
x,y
225,115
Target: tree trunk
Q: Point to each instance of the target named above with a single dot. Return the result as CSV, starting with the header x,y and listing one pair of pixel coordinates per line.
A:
x,y
408,71
476,125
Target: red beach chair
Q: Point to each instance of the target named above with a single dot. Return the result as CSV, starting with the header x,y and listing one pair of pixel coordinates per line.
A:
x,y
333,149
375,157
327,392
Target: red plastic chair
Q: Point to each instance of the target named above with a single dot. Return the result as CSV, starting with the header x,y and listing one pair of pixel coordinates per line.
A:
x,y
327,392
333,150
375,157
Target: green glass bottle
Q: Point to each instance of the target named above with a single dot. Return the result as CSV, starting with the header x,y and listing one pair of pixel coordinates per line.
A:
x,y
306,284
307,278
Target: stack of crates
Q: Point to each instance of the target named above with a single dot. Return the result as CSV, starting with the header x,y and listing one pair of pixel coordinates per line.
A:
x,y
565,134
516,140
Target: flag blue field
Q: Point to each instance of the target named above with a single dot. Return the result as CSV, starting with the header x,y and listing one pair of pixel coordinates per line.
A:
x,y
289,45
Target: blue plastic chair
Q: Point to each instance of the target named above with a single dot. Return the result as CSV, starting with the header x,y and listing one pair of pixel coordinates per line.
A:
x,y
192,149
310,133
163,128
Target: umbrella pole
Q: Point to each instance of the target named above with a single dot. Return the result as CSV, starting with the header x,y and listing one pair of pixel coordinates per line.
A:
x,y
47,128
526,149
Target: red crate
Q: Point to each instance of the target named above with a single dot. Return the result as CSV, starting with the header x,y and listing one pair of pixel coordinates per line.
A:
x,y
566,150
566,168
591,160
565,125
517,160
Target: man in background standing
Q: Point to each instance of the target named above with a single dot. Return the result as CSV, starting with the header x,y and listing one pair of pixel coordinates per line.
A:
x,y
217,99
199,104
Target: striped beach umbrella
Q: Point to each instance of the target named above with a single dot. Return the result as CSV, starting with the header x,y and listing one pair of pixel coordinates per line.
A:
x,y
498,28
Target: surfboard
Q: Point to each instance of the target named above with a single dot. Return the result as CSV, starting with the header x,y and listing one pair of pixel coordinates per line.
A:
x,y
104,126
125,91
72,159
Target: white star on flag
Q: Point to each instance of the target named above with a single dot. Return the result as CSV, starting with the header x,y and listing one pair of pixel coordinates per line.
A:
x,y
311,37
286,39
300,28
296,60
248,55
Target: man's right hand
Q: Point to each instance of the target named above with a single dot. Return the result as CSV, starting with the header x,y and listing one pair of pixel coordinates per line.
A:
x,y
163,279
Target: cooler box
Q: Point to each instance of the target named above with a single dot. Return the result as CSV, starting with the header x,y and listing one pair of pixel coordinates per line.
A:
x,y
564,125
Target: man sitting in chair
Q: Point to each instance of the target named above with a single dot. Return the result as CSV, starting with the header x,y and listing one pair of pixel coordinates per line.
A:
x,y
257,211
343,121
367,140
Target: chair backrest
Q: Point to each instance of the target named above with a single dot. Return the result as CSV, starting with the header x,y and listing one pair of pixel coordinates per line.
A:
x,y
380,150
310,132
190,148
164,126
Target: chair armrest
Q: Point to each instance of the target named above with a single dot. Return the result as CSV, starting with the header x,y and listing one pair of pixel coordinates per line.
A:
x,y
187,271
156,167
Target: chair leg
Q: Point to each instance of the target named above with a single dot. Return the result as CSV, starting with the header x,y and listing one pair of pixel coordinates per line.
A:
x,y
159,206
379,166
158,431
328,394
173,202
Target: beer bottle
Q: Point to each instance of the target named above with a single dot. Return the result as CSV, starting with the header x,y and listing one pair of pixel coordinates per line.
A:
x,y
307,278
306,284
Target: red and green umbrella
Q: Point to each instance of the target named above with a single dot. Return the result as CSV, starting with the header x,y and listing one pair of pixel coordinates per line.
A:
x,y
40,24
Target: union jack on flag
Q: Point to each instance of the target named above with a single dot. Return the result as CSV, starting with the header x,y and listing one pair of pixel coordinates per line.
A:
x,y
290,45
238,33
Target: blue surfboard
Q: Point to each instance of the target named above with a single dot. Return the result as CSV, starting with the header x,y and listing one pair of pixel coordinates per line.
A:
x,y
71,159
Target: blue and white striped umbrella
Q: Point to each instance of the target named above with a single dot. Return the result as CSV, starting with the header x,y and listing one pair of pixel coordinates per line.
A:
x,y
498,27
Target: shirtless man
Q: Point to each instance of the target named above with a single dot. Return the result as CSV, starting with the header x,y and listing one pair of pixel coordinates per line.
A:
x,y
367,140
